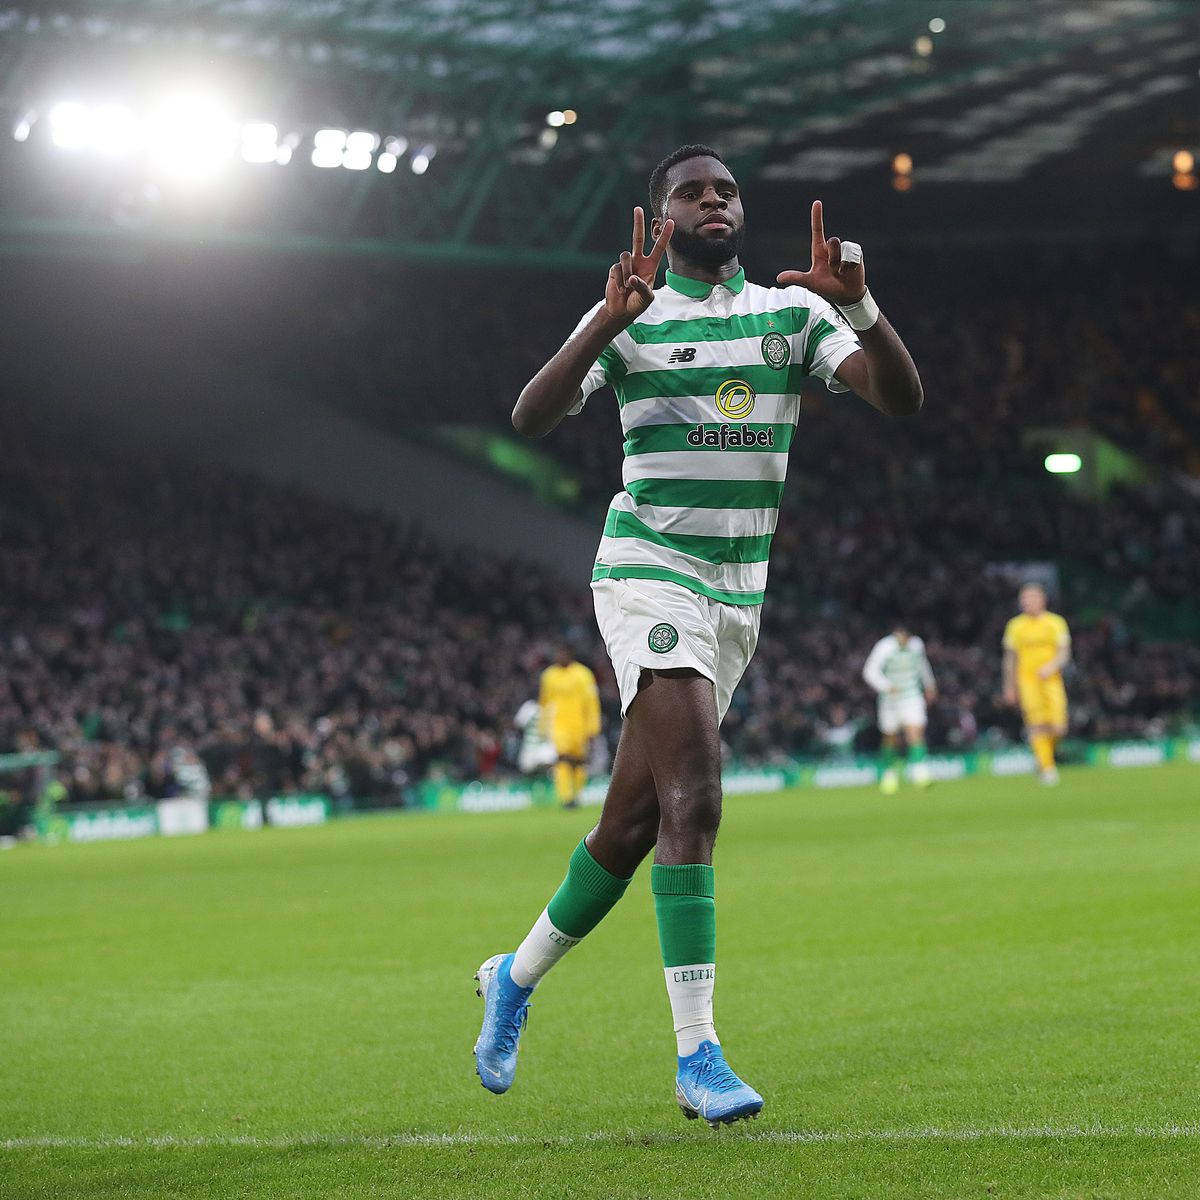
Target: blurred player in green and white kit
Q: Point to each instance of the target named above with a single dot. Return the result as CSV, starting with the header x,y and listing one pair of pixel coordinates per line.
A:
x,y
537,753
899,671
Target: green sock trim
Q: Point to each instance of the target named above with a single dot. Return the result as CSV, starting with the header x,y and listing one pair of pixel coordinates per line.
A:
x,y
686,913
916,753
585,896
688,879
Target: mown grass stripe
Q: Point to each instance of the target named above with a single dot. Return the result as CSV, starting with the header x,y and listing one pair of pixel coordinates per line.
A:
x,y
642,1137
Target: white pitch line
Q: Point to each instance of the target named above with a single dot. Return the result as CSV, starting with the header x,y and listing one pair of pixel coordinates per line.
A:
x,y
599,1137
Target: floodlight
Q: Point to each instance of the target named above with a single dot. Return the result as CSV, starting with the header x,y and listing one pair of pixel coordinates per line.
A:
x,y
328,145
191,137
260,142
360,145
70,125
114,131
1063,464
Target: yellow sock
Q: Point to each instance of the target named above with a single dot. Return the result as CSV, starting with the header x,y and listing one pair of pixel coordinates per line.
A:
x,y
1043,750
580,780
564,781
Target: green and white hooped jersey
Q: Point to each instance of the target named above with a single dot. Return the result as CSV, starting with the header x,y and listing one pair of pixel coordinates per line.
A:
x,y
708,380
902,668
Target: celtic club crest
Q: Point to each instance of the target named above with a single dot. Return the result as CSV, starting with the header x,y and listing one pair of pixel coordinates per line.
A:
x,y
663,638
775,351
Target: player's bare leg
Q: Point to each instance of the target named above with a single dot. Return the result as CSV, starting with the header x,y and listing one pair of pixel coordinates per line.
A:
x,y
628,825
674,719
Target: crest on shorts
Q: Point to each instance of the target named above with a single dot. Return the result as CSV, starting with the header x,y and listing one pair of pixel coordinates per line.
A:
x,y
663,638
776,351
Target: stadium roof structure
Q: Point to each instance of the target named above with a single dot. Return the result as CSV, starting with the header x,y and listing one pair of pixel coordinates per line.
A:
x,y
516,131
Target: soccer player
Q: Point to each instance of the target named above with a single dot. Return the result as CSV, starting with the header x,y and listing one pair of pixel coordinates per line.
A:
x,y
707,372
536,751
899,671
1037,645
570,718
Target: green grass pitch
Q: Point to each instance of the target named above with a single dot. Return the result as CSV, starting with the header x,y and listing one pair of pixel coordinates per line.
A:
x,y
986,990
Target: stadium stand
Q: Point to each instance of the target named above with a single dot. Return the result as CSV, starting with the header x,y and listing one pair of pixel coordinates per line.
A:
x,y
155,615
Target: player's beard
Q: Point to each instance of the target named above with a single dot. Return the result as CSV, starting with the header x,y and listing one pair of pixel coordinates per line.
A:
x,y
707,252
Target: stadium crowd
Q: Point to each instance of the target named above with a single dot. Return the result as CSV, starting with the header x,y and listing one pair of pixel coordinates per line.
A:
x,y
168,628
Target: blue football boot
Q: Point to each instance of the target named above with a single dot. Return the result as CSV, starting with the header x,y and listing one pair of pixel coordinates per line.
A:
x,y
706,1087
505,1011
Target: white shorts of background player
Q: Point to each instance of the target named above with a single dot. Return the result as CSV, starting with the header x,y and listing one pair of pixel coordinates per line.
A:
x,y
896,714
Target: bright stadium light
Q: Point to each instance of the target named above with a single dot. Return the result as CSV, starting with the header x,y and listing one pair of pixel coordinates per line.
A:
x,y
548,139
260,142
70,125
328,145
115,131
422,159
287,147
1063,464
386,162
556,118
1183,161
924,45
191,137
570,116
937,25
23,128
360,145
902,164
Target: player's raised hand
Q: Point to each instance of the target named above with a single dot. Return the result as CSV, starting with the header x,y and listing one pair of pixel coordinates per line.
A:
x,y
630,289
837,272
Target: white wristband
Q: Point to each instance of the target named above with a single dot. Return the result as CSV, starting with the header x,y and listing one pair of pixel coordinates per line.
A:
x,y
862,315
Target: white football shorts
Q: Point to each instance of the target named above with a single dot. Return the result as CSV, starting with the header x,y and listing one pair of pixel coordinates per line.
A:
x,y
649,624
895,714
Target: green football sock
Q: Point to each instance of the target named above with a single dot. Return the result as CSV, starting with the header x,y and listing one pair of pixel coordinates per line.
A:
x,y
687,932
585,896
686,912
580,904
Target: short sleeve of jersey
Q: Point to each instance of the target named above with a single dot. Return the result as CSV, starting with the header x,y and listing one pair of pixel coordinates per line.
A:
x,y
1062,635
1010,634
829,341
597,375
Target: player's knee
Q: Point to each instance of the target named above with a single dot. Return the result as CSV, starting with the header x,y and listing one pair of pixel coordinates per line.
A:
x,y
691,806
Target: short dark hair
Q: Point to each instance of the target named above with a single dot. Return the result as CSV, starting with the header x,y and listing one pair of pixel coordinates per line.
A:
x,y
658,177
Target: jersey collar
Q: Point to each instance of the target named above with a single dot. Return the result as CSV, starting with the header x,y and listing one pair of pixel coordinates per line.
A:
x,y
698,289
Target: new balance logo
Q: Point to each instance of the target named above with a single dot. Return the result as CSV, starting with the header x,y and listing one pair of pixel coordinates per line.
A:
x,y
682,354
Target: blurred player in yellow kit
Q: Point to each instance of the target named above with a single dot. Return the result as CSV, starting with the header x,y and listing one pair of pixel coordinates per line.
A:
x,y
1037,645
570,718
